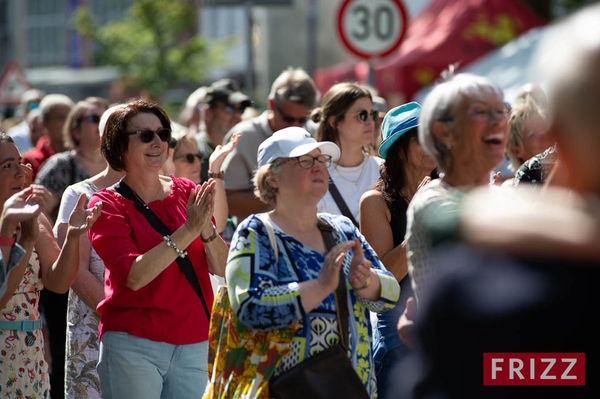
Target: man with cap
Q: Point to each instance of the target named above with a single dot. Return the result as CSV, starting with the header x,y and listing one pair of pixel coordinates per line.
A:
x,y
222,108
30,100
293,96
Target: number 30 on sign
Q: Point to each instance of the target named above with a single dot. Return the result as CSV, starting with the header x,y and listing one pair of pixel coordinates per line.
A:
x,y
372,29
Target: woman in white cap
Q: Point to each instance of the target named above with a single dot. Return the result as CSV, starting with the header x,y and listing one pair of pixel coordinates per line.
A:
x,y
383,223
272,288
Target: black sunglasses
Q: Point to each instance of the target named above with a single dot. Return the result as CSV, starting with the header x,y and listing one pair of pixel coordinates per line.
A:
x,y
189,158
290,119
92,118
363,115
147,135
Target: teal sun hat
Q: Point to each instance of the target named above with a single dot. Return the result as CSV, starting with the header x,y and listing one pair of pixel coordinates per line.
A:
x,y
396,122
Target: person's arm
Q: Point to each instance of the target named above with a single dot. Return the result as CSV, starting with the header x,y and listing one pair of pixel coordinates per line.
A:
x,y
216,159
59,266
374,220
24,208
146,267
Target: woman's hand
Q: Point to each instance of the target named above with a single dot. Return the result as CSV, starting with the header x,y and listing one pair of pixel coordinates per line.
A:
x,y
359,275
81,220
218,156
22,206
329,275
406,325
200,208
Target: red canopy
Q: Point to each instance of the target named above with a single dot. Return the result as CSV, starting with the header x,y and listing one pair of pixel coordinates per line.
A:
x,y
445,32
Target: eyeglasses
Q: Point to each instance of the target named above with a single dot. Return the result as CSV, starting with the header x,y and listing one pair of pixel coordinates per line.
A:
x,y
290,119
189,157
230,109
147,135
363,115
308,161
483,114
95,119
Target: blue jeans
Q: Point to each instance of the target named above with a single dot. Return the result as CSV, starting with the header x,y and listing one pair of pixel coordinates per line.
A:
x,y
388,350
137,368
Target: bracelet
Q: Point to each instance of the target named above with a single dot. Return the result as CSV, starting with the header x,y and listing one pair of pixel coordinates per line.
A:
x,y
170,243
366,285
214,175
9,242
211,238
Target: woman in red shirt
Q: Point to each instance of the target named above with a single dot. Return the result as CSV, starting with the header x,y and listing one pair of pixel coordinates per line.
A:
x,y
154,324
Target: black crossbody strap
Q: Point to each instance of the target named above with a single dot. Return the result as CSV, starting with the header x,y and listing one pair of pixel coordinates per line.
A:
x,y
341,299
184,263
337,197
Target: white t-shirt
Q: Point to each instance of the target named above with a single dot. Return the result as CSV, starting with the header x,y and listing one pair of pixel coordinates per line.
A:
x,y
352,183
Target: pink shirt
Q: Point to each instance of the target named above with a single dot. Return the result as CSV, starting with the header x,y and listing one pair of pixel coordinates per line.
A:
x,y
167,309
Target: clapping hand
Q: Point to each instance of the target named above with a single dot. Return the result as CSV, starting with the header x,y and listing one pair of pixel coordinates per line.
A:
x,y
330,272
23,205
359,275
200,206
81,219
218,156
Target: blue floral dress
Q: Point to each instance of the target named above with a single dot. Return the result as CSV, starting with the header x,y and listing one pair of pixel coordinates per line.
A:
x,y
265,294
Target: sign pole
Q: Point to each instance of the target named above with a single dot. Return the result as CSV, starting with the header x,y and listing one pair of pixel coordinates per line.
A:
x,y
250,51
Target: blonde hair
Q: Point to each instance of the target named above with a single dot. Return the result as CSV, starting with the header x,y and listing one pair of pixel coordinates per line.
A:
x,y
262,189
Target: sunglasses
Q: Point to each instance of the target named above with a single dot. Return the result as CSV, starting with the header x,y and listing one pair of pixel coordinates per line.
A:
x,y
189,158
290,119
230,109
95,119
147,135
363,115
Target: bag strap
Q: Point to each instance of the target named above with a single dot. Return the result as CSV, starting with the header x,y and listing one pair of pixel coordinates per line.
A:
x,y
337,197
271,232
341,299
184,263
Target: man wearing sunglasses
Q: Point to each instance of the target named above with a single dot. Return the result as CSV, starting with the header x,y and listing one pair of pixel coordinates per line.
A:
x,y
293,96
222,108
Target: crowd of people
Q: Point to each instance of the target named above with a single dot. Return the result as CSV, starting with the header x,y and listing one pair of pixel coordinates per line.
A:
x,y
119,225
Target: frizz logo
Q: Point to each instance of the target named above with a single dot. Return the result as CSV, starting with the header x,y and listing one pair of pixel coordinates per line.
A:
x,y
534,369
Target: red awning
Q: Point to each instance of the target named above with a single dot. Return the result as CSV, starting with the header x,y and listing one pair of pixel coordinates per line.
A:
x,y
445,32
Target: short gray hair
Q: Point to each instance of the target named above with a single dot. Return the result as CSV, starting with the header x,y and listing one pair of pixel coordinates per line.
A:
x,y
52,100
441,105
294,85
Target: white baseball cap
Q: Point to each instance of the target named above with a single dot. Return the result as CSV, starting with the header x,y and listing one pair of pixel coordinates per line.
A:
x,y
293,142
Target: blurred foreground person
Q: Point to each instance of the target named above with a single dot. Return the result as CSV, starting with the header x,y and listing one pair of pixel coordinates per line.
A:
x,y
526,278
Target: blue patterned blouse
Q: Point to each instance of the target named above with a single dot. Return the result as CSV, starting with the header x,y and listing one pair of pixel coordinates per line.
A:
x,y
265,293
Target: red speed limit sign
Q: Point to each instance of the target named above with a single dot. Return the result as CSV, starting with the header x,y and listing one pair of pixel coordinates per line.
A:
x,y
372,28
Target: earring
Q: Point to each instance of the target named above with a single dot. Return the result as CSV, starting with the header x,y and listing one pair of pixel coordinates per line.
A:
x,y
448,146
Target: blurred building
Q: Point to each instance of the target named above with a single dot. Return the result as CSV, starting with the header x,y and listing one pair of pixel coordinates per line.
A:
x,y
38,35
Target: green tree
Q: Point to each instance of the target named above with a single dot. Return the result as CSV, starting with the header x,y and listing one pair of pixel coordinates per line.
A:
x,y
155,45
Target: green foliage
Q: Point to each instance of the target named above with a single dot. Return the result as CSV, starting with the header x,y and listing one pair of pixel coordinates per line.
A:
x,y
155,45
